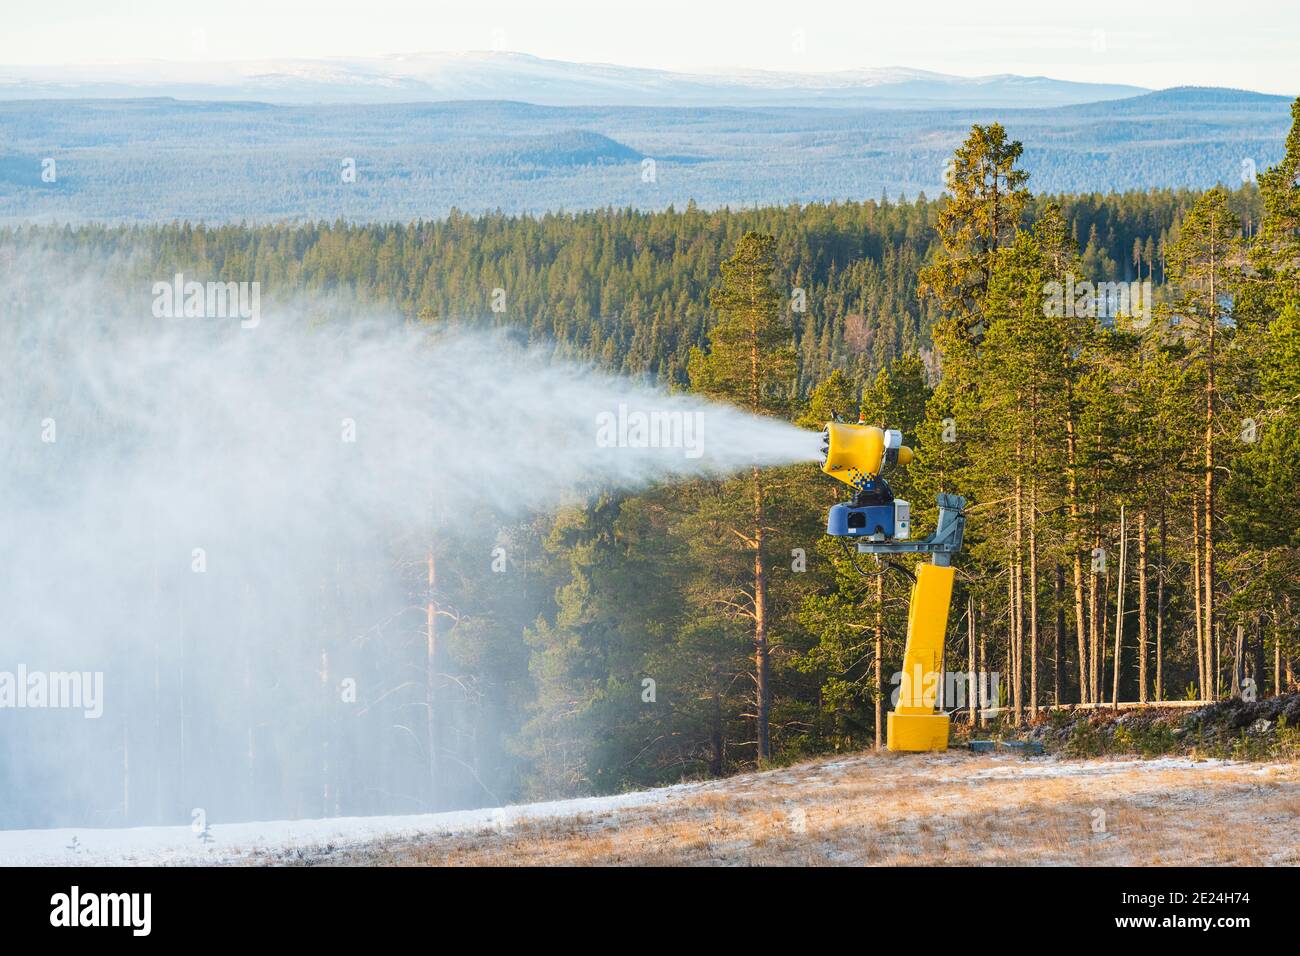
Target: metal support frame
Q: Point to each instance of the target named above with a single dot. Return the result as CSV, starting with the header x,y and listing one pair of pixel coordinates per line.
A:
x,y
916,724
943,544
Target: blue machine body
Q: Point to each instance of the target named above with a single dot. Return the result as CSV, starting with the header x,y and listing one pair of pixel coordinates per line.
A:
x,y
870,514
861,521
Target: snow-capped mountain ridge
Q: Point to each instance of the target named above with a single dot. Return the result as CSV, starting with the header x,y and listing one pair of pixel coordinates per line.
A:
x,y
519,76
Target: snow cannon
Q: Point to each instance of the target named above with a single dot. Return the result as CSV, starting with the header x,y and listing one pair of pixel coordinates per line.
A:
x,y
859,455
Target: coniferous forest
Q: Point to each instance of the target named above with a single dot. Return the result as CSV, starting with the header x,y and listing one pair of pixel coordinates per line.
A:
x,y
1133,473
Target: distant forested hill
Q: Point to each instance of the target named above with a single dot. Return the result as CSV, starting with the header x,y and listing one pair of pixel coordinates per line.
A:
x,y
625,289
163,159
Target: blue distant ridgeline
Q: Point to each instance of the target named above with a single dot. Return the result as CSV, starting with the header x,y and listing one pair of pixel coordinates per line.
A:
x,y
136,160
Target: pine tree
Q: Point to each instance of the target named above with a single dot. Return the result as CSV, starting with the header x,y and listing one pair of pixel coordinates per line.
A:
x,y
981,214
1275,251
751,363
1204,265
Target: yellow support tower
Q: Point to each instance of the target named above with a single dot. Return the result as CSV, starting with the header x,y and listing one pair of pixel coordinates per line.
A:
x,y
914,723
880,524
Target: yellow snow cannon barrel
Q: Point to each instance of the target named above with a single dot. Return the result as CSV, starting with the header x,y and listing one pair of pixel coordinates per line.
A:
x,y
853,453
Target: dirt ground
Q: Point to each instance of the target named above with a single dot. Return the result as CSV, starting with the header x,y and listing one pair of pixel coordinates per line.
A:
x,y
884,809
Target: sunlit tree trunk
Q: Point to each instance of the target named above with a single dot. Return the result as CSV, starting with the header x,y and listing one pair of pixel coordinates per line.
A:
x,y
880,655
1080,627
1160,612
972,682
1033,600
1058,632
1201,641
1142,606
1119,605
762,688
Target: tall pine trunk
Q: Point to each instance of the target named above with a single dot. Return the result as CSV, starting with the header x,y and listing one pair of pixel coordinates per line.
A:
x,y
1018,597
1239,661
1277,665
1033,600
880,657
1160,611
1201,641
762,689
1212,313
1119,605
1094,678
1010,667
1072,474
1058,633
972,681
1142,606
982,665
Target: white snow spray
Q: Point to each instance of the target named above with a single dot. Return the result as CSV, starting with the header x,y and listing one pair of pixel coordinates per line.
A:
x,y
184,501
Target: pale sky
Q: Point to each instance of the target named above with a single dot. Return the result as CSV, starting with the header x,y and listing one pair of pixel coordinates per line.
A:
x,y
1153,43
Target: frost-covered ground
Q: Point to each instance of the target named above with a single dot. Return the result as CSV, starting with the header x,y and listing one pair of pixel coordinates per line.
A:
x,y
286,839
880,809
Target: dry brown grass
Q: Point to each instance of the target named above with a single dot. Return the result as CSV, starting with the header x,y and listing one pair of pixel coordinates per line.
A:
x,y
894,809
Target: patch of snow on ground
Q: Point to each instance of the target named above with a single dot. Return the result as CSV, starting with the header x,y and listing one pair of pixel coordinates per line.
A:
x,y
1051,767
233,842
